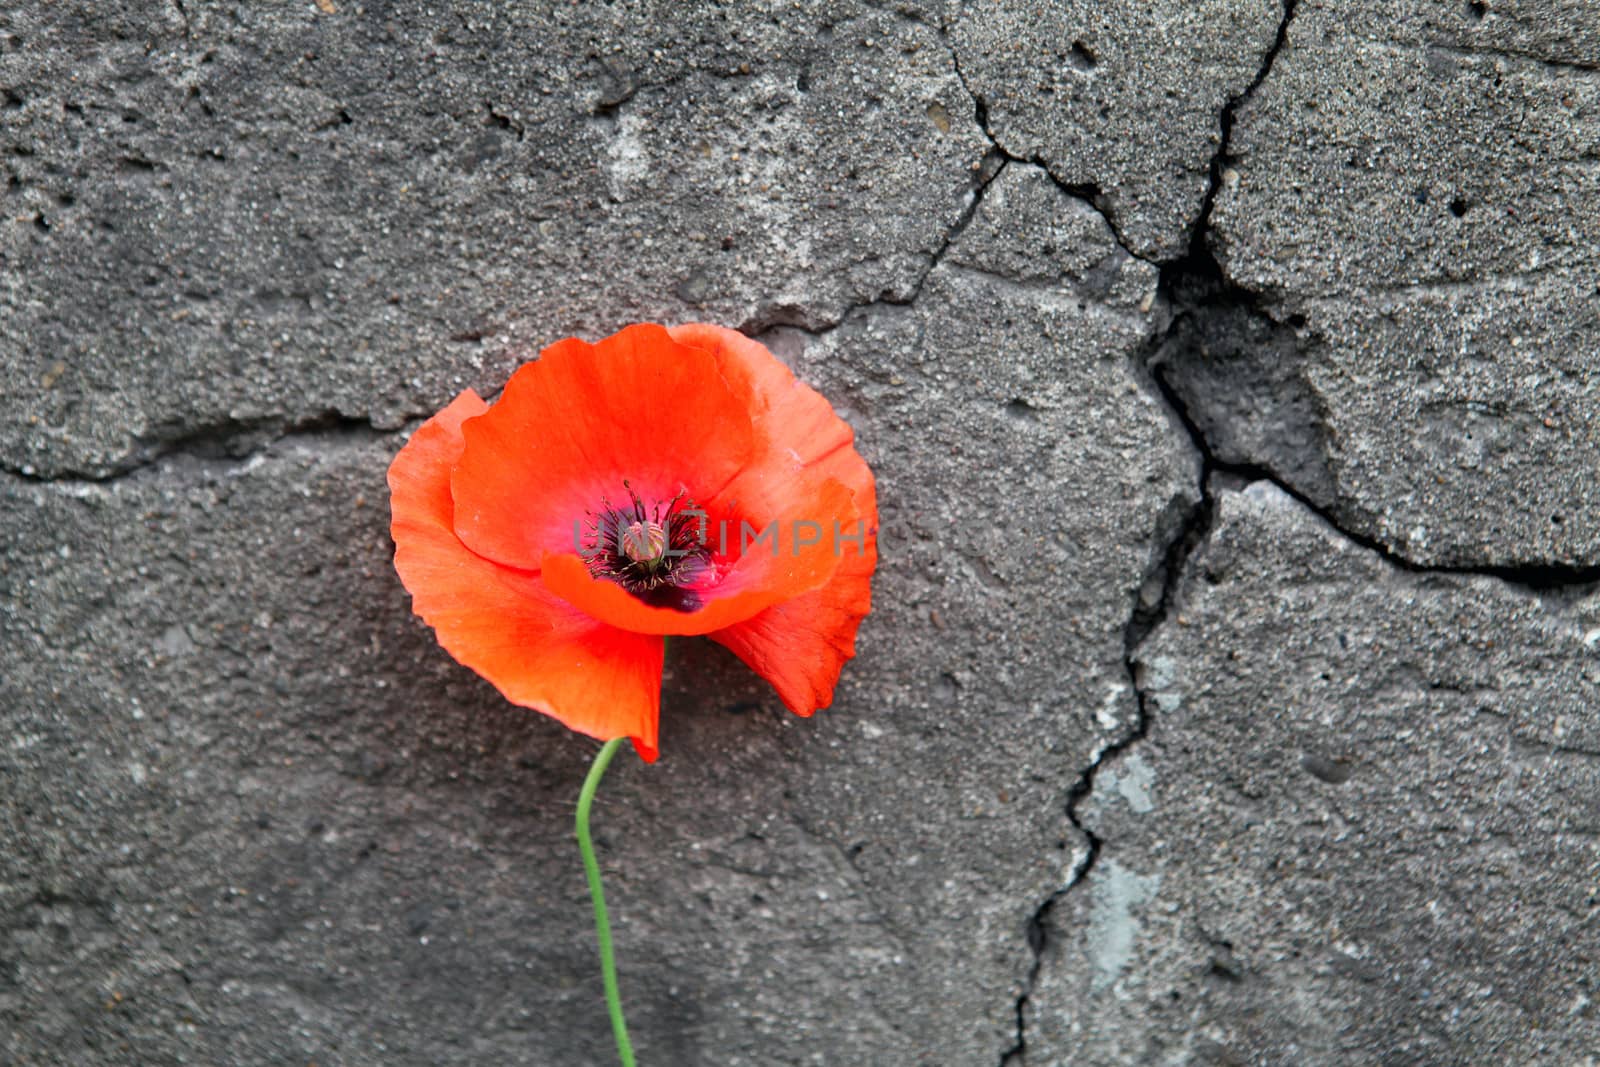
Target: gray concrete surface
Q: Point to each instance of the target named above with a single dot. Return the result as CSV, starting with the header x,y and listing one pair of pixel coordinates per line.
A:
x,y
1414,190
1229,372
1119,100
1360,826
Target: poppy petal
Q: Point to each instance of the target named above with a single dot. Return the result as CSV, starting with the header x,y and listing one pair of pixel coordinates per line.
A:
x,y
572,427
802,428
805,437
799,645
501,622
794,553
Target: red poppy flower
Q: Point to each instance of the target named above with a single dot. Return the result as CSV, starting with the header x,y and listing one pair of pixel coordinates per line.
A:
x,y
662,481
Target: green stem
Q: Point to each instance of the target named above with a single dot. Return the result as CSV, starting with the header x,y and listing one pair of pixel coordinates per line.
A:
x,y
602,925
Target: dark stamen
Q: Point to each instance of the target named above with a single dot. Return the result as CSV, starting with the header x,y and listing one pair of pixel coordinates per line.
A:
x,y
656,554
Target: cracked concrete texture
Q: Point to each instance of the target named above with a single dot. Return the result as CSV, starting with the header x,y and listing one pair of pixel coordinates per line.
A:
x,y
1121,774
265,215
1120,100
265,820
1360,827
1412,190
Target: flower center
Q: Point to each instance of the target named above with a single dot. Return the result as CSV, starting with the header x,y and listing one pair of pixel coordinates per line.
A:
x,y
656,553
644,542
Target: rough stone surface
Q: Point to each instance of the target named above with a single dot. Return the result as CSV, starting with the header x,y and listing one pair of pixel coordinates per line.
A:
x,y
1414,189
1135,765
265,820
244,216
1360,827
1120,99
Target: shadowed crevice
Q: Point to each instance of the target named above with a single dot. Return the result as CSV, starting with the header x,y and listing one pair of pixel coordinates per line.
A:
x,y
230,441
1232,372
1197,271
1532,578
1144,618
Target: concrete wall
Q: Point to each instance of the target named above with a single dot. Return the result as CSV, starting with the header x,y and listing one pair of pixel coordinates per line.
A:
x,y
1231,371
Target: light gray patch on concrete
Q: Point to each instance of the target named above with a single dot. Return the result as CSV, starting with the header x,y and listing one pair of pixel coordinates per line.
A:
x,y
1376,836
1159,679
1415,197
221,221
1122,99
1115,895
1132,780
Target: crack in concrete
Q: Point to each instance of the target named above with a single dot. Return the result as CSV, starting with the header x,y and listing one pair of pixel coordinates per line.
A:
x,y
1197,286
240,440
1534,578
1088,192
1190,534
233,441
988,169
1230,111
1192,531
1199,271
